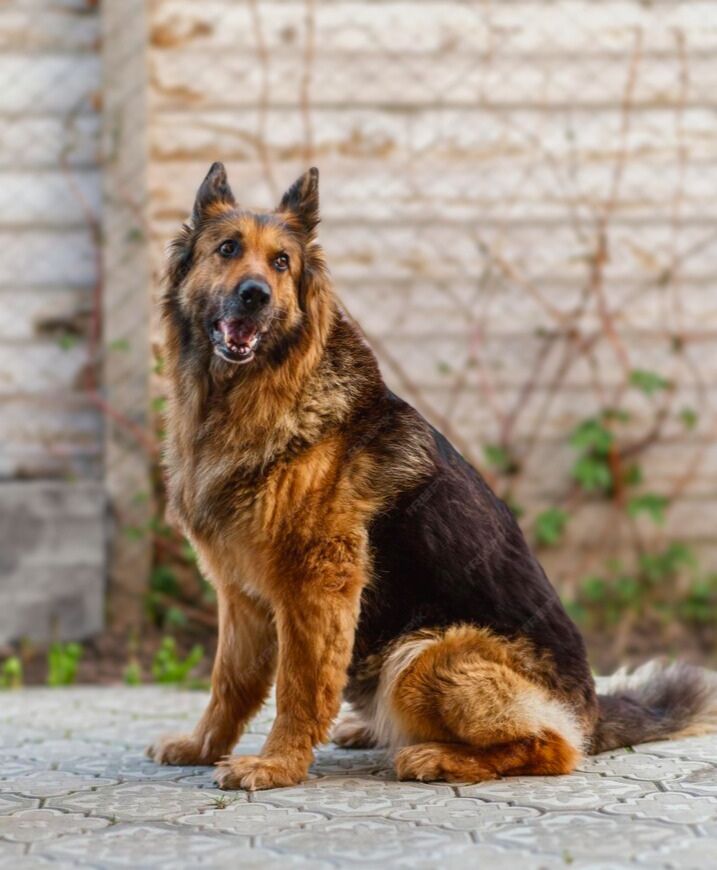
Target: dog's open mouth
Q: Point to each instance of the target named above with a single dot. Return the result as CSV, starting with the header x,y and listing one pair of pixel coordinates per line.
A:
x,y
235,339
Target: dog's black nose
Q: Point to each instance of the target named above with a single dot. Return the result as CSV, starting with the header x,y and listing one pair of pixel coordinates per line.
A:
x,y
254,294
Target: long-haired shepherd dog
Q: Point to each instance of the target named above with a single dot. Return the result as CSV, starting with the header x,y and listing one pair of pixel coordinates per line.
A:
x,y
354,552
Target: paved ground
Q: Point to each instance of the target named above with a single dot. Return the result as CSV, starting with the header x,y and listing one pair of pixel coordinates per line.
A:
x,y
76,791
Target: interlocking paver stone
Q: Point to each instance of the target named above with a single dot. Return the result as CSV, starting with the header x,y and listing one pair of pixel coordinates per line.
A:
x,y
33,826
49,783
141,802
76,791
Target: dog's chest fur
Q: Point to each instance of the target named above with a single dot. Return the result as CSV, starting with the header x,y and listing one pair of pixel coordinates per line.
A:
x,y
242,492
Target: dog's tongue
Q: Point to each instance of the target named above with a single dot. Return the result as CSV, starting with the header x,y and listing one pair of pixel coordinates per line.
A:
x,y
237,332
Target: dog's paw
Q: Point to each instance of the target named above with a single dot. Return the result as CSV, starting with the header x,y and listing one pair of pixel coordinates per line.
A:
x,y
441,762
351,732
252,772
180,749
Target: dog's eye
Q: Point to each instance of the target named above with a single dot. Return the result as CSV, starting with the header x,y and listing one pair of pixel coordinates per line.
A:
x,y
281,262
228,249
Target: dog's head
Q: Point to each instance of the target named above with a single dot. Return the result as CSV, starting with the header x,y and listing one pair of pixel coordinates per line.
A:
x,y
239,280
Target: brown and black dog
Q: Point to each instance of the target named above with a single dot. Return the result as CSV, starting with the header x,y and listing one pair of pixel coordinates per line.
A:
x,y
353,550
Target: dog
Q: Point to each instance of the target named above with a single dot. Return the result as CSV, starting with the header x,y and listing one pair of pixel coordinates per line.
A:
x,y
354,552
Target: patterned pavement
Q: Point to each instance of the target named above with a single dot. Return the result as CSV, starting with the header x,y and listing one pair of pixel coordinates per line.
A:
x,y
76,791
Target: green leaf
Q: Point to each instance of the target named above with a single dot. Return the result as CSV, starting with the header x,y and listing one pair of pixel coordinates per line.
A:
x,y
633,475
189,553
157,525
550,525
132,674
689,418
660,566
648,382
163,579
649,503
169,667
627,589
592,473
67,341
576,611
594,588
175,617
516,509
11,673
591,435
62,662
499,458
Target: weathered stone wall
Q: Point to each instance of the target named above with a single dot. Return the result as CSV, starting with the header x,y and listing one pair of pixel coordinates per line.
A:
x,y
518,204
51,503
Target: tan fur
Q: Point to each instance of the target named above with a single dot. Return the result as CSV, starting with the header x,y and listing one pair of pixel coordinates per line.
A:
x,y
547,754
467,705
243,672
476,688
290,538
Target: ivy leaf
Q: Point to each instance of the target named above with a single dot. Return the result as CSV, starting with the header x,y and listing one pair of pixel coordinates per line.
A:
x,y
67,341
516,509
689,418
659,566
648,382
189,553
164,580
592,435
627,589
550,525
632,475
500,459
648,503
592,473
594,588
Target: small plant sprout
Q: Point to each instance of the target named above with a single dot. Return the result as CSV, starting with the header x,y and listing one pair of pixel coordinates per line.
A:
x,y
62,663
168,666
132,674
11,673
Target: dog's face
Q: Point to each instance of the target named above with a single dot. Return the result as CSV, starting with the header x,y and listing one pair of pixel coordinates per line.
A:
x,y
238,276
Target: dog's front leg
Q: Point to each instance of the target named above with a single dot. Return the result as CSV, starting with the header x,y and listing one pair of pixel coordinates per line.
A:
x,y
243,671
316,622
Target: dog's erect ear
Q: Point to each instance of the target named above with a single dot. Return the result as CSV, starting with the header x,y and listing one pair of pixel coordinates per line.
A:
x,y
214,190
302,199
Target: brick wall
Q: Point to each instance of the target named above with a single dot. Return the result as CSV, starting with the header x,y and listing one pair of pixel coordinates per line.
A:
x,y
518,204
51,503
474,157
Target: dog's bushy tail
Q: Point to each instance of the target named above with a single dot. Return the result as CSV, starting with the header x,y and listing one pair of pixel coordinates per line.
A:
x,y
654,702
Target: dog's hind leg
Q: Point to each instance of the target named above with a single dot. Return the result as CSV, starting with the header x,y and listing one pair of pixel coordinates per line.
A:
x,y
546,755
467,715
352,731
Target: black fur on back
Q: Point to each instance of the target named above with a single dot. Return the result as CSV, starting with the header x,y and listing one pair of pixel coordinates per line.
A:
x,y
449,552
